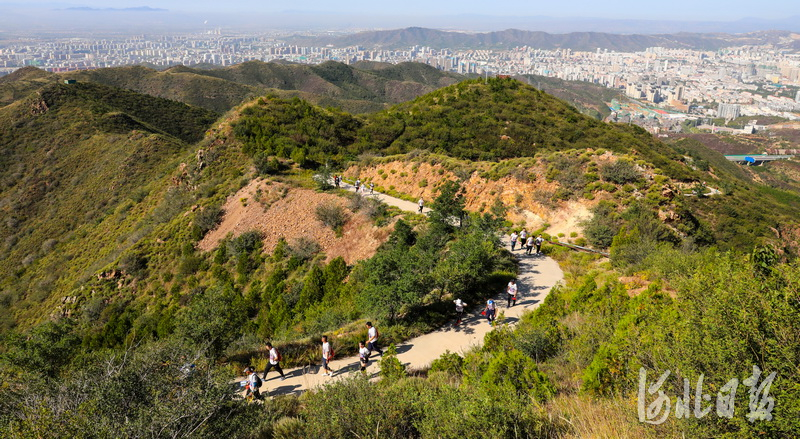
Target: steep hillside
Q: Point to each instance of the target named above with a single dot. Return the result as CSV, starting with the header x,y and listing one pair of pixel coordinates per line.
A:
x,y
71,156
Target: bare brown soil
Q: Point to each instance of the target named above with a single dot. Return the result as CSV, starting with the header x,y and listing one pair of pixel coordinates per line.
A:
x,y
279,211
528,202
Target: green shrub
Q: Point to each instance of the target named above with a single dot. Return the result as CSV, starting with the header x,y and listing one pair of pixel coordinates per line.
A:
x,y
245,243
207,219
299,156
620,172
512,368
449,362
266,164
391,367
303,248
288,428
331,214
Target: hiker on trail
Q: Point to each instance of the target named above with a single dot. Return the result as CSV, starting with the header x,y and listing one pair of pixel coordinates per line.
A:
x,y
372,339
327,356
363,356
371,187
253,383
512,293
523,235
529,245
539,240
337,180
459,310
490,311
274,361
420,202
514,238
358,184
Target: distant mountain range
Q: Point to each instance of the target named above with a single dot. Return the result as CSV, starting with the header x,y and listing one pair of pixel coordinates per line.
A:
x,y
581,41
133,9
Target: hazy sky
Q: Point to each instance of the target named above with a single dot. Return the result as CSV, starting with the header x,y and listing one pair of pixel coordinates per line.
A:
x,y
694,10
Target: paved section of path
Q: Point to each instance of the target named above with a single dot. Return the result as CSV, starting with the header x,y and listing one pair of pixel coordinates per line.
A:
x,y
408,206
537,275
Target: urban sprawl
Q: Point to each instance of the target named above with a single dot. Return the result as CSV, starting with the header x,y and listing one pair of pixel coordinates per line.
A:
x,y
663,88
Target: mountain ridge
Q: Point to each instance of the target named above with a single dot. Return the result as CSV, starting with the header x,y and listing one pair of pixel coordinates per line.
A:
x,y
509,38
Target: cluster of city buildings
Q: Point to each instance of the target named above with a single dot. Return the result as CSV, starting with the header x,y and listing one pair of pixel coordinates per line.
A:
x,y
727,83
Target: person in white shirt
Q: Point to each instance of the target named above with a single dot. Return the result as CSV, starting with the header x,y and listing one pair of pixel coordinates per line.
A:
x,y
529,245
274,362
514,238
459,310
523,235
253,383
420,202
363,356
512,293
539,240
327,355
372,339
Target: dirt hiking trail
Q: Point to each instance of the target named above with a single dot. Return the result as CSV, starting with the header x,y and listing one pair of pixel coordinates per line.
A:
x,y
537,275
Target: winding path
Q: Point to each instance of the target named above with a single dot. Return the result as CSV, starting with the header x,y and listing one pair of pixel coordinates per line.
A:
x,y
537,275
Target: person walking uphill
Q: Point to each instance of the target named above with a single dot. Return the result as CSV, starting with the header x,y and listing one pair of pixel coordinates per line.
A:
x,y
327,356
274,362
363,356
253,383
420,202
539,240
490,311
529,245
372,339
459,310
514,238
512,293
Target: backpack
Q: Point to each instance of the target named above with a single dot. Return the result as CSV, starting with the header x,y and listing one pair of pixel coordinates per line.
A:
x,y
257,382
331,353
278,356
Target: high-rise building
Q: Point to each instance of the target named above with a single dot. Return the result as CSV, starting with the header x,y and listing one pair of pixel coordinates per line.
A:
x,y
728,111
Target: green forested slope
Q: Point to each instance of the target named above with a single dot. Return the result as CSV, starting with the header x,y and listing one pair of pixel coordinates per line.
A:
x,y
70,156
105,296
